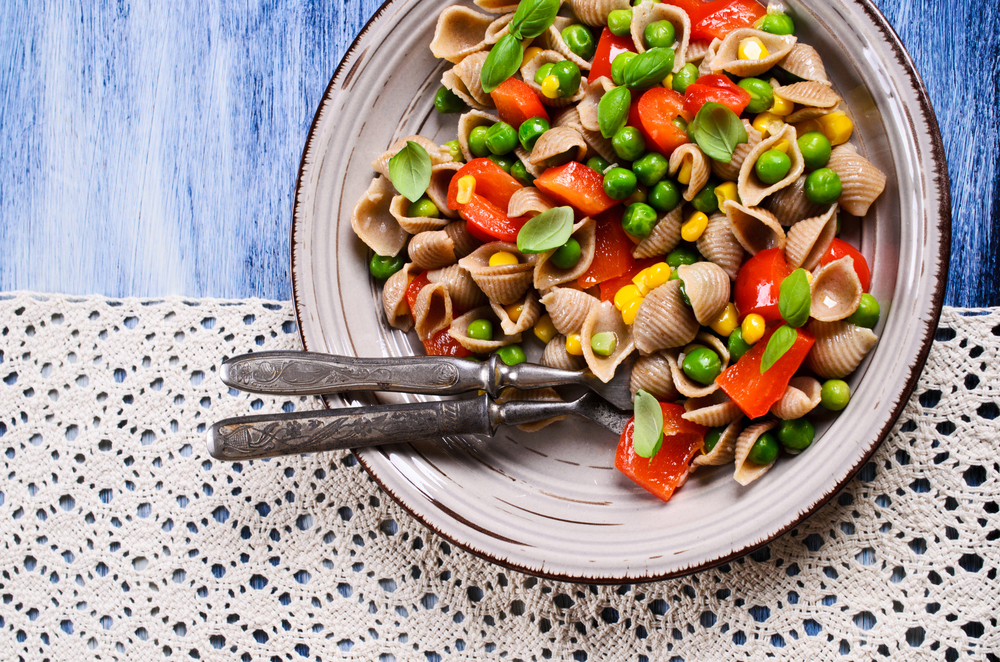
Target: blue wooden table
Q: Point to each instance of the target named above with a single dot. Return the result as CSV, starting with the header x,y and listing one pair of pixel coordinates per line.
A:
x,y
151,148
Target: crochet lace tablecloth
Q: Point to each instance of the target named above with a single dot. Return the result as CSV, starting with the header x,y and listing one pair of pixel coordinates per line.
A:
x,y
122,538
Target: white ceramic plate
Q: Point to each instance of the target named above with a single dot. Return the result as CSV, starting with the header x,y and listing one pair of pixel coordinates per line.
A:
x,y
552,503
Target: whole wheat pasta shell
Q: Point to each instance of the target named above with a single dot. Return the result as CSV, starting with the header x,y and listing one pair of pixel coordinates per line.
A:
x,y
801,396
397,310
652,374
805,63
372,221
696,50
413,224
498,29
810,94
751,190
524,156
839,348
532,395
731,171
754,227
496,6
469,121
439,154
459,330
665,236
862,182
605,318
595,12
700,167
529,68
707,287
464,242
548,275
727,59
790,205
705,66
648,12
432,310
724,450
587,108
570,117
437,191
552,39
687,386
555,143
531,310
556,356
463,290
465,77
712,411
719,245
503,284
835,291
746,471
808,239
805,113
432,250
528,201
663,320
568,308
460,31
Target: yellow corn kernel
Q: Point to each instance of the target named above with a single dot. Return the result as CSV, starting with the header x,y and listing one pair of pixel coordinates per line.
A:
x,y
725,322
544,329
668,82
684,174
726,191
574,346
781,106
837,127
752,48
764,121
529,54
466,187
781,146
626,295
808,126
501,258
641,281
809,277
550,86
514,311
630,310
753,328
657,275
694,227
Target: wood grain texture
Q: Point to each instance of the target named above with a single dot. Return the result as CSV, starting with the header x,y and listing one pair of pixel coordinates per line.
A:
x,y
151,149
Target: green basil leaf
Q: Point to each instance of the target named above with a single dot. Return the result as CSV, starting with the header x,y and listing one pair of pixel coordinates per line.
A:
x,y
503,61
612,110
410,171
718,131
533,17
550,229
781,341
647,434
648,68
795,298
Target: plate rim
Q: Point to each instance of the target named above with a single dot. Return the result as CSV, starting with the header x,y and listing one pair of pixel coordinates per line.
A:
x,y
937,158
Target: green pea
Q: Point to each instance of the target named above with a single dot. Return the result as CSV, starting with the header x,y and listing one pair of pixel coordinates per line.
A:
x,y
543,72
867,313
815,148
530,130
823,187
765,450
702,365
628,143
579,40
664,196
682,255
772,166
505,161
712,438
674,275
501,138
680,123
567,255
796,435
651,168
835,394
521,174
477,142
618,67
639,220
736,345
659,34
569,77
423,207
597,163
446,101
454,150
619,183
687,75
620,22
383,266
706,201
511,354
604,343
777,24
761,94
480,330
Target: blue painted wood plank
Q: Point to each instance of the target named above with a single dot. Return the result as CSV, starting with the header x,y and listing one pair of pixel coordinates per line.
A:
x,y
151,148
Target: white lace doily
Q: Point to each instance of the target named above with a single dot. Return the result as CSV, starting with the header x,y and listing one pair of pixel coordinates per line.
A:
x,y
122,539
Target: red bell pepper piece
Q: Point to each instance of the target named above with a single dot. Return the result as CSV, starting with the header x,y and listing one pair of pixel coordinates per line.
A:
x,y
492,183
840,248
487,222
516,102
668,469
755,392
608,48
758,284
413,289
442,344
717,88
576,185
610,287
612,250
717,19
656,110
